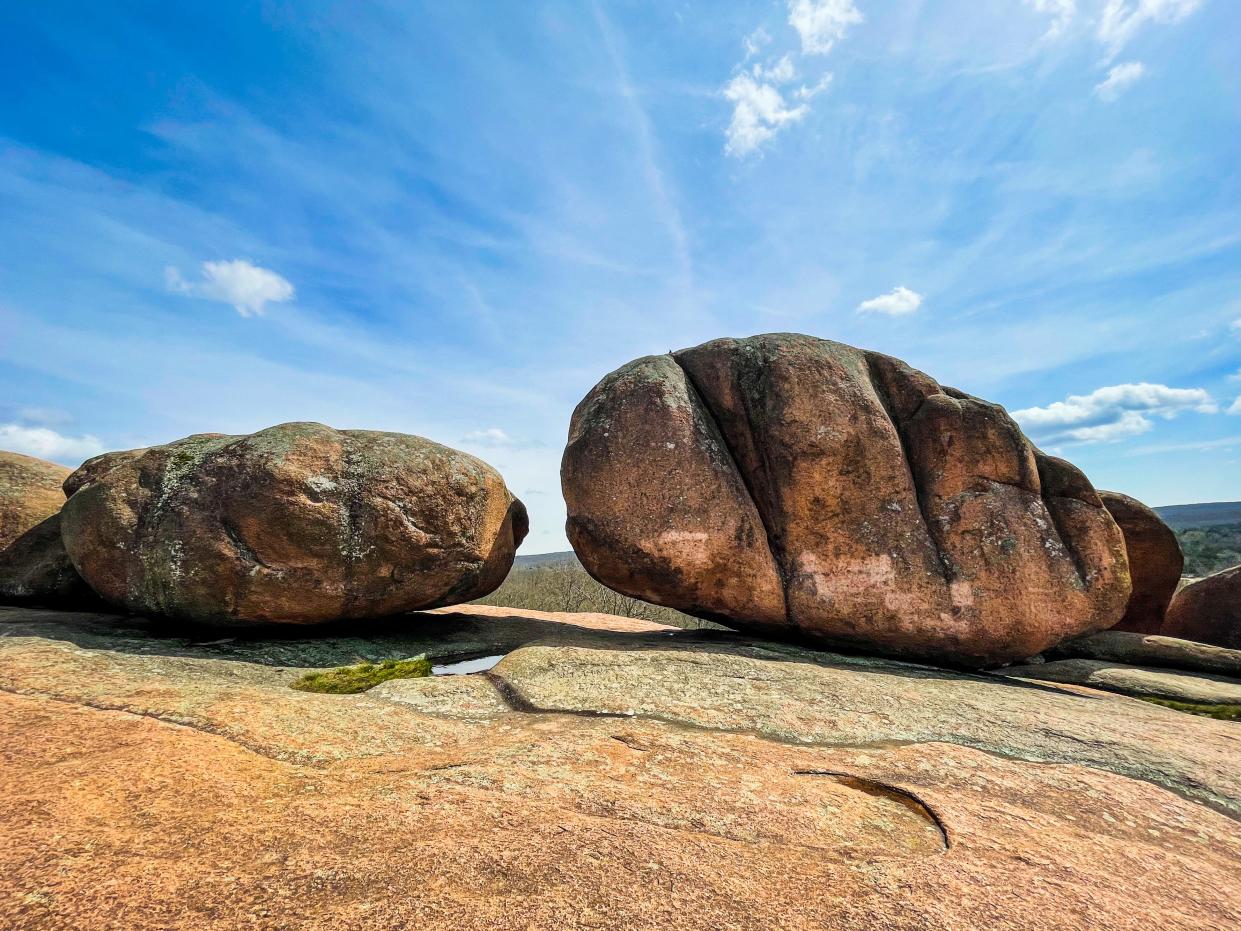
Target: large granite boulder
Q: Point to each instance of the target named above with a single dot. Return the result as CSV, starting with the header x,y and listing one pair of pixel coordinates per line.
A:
x,y
29,493
1208,611
1155,561
298,523
799,487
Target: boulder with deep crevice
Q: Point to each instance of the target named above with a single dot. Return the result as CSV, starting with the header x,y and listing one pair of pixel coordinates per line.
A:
x,y
800,487
298,523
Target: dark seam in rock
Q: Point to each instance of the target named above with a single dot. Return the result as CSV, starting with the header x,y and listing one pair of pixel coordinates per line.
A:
x,y
1079,567
240,545
777,558
874,787
879,387
297,757
1207,796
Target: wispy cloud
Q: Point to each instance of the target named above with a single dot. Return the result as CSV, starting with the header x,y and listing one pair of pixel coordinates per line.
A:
x,y
492,436
822,23
759,112
756,41
1121,20
896,303
1111,413
1118,79
1061,12
761,104
239,282
665,202
46,443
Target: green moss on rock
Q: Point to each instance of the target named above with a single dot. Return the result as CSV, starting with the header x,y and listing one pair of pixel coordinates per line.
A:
x,y
1219,712
347,680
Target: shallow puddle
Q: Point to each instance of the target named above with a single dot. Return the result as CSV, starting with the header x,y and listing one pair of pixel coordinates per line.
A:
x,y
466,666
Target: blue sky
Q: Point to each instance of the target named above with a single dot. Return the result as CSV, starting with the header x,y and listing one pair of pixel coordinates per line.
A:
x,y
453,219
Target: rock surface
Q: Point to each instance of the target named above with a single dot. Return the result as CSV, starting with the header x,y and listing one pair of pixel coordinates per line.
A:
x,y
803,488
607,774
1151,650
30,493
1197,688
1155,561
1208,611
298,523
35,568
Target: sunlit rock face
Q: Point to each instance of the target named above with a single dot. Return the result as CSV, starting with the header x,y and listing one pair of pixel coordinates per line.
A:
x,y
801,487
1208,610
298,523
30,493
1155,562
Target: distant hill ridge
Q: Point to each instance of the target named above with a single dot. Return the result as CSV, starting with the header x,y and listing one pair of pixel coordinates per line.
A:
x,y
1177,516
535,560
1182,516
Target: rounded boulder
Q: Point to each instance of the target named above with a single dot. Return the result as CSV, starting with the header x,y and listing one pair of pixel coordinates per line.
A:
x,y
1208,611
30,493
298,523
1155,562
803,488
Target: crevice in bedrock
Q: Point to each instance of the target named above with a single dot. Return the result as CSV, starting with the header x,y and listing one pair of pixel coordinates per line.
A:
x,y
902,797
170,719
879,385
775,548
1186,785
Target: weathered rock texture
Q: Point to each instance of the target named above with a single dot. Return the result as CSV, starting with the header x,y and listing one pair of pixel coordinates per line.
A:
x,y
1151,650
29,493
801,487
1198,688
298,523
35,568
98,466
607,774
1155,561
1208,611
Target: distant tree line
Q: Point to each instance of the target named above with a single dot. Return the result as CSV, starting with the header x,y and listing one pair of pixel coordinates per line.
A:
x,y
566,587
1209,549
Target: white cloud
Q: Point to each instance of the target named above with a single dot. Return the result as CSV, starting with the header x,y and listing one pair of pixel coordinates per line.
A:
x,y
756,41
759,112
1060,11
1111,413
780,73
1235,408
897,302
239,282
809,93
1121,19
48,444
493,437
1118,79
822,23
